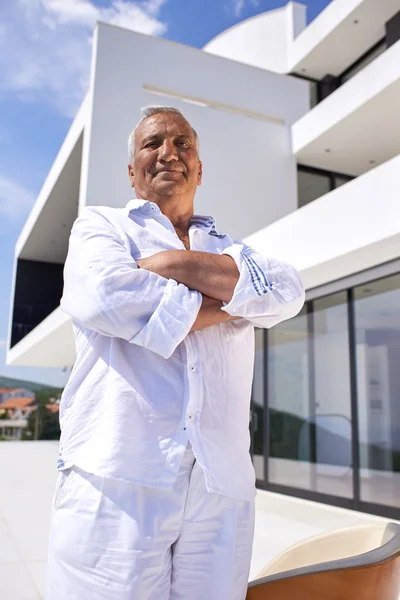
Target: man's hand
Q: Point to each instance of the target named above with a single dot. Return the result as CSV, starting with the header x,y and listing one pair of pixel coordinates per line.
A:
x,y
210,314
210,274
158,263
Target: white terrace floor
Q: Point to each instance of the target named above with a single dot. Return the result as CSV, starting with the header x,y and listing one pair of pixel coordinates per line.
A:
x,y
27,479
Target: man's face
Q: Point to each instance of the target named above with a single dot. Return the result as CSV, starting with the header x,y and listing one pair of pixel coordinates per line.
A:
x,y
166,162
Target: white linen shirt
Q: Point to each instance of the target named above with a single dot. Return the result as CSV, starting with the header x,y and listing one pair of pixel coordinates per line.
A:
x,y
143,385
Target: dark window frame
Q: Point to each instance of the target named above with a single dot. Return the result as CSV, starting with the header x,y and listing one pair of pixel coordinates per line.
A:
x,y
305,77
331,175
339,79
259,482
361,59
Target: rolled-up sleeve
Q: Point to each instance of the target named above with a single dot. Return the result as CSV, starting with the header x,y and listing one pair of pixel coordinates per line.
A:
x,y
105,290
268,291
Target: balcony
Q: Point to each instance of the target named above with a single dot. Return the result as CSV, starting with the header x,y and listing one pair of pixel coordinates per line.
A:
x,y
358,126
49,344
340,34
352,228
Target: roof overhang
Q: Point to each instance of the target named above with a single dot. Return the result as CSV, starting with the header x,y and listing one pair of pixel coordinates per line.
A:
x,y
50,344
340,34
357,127
45,234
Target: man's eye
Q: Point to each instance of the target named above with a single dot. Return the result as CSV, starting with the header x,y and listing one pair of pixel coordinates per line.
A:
x,y
151,145
182,143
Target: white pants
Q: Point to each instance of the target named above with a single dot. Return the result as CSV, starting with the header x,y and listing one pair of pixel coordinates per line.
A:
x,y
112,540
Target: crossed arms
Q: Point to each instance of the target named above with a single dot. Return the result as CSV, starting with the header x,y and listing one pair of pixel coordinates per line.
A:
x,y
214,276
155,302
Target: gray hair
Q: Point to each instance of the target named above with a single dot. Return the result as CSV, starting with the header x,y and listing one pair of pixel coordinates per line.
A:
x,y
149,111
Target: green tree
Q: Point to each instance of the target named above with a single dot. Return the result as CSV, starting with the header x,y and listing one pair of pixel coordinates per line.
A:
x,y
43,424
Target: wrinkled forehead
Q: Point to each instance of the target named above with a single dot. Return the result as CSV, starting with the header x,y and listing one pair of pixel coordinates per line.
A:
x,y
164,125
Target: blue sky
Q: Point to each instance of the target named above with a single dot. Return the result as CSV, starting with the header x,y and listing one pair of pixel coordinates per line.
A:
x,y
44,65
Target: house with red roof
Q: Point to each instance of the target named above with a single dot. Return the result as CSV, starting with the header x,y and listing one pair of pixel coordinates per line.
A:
x,y
7,393
14,413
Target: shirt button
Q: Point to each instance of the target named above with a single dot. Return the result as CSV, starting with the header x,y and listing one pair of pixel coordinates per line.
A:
x,y
190,417
192,368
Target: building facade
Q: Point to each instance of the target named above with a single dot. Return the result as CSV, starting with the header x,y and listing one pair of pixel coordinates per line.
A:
x,y
300,139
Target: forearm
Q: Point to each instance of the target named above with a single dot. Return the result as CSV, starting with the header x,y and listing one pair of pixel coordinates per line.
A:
x,y
210,314
210,274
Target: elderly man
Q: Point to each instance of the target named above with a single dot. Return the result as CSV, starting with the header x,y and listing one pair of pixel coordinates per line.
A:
x,y
155,494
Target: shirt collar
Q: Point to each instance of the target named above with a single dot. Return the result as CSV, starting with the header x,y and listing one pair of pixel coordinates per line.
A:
x,y
206,223
142,206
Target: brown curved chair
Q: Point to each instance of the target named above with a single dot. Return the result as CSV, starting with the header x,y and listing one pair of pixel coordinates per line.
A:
x,y
358,563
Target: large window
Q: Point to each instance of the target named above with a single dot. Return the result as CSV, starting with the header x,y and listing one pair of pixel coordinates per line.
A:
x,y
258,417
330,375
288,401
309,399
332,400
377,329
314,183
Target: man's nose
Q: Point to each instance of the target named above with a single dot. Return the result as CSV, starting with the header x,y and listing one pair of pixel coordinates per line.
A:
x,y
168,151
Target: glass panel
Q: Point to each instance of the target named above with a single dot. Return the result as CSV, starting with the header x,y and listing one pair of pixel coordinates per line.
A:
x,y
258,406
288,400
311,186
339,180
310,402
333,451
313,94
377,324
363,63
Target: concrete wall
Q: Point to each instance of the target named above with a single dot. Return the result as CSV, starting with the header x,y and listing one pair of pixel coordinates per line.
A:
x,y
242,114
264,40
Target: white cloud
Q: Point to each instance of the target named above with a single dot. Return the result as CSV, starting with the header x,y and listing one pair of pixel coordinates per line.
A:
x,y
138,17
239,5
81,12
45,45
154,6
15,201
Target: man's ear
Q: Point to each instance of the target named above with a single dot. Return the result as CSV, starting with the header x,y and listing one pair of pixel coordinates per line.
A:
x,y
131,175
200,174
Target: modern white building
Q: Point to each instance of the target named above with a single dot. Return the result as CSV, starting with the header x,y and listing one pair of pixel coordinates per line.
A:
x,y
300,139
